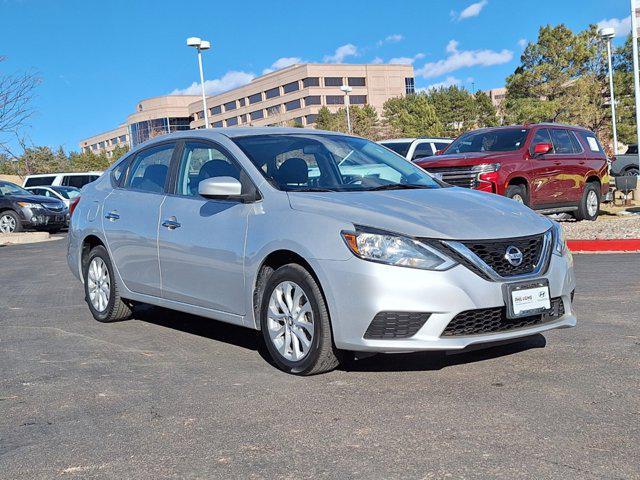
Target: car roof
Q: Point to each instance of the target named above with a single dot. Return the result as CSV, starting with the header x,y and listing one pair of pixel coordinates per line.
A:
x,y
411,140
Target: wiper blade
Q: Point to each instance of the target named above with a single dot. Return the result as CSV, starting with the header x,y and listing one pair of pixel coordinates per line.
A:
x,y
311,189
399,186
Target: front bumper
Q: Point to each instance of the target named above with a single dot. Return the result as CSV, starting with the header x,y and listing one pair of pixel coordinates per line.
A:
x,y
358,290
42,218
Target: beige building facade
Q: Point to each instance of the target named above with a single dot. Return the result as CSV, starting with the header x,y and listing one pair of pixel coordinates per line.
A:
x,y
291,96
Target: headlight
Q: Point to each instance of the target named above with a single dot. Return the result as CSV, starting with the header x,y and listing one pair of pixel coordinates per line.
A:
x,y
29,205
392,249
559,242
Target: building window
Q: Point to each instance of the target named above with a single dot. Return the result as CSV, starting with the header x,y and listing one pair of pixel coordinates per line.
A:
x,y
409,85
100,144
332,81
123,138
232,122
275,110
357,99
311,118
217,124
241,102
113,141
243,118
230,106
217,110
356,81
291,87
255,98
335,99
311,82
272,93
198,115
312,100
292,105
257,115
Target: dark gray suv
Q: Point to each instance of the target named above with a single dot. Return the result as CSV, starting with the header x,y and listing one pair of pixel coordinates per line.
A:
x,y
21,210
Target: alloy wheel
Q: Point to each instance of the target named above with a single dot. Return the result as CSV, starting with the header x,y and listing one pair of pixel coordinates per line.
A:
x,y
98,284
518,198
7,224
592,203
290,321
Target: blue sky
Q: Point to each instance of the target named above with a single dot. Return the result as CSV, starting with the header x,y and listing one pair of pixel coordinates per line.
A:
x,y
98,58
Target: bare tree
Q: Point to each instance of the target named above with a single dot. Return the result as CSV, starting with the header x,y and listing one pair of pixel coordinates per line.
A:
x,y
16,93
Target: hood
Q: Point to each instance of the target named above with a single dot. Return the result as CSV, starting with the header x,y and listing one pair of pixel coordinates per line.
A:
x,y
35,199
464,159
445,213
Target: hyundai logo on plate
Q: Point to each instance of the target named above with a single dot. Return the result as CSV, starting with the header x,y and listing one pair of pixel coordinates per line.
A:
x,y
513,256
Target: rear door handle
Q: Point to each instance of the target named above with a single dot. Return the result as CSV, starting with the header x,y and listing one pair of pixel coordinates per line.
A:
x,y
171,223
113,216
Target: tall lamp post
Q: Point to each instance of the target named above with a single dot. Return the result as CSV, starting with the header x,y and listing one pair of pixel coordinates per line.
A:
x,y
607,34
347,90
201,45
636,68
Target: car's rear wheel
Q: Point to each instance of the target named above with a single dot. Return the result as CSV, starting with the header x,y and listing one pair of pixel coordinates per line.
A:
x,y
101,289
589,206
295,322
10,222
517,193
632,172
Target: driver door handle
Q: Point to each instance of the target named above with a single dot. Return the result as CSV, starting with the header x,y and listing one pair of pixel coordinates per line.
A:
x,y
171,223
112,215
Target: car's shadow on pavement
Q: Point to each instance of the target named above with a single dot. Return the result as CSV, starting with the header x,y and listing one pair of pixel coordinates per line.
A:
x,y
252,340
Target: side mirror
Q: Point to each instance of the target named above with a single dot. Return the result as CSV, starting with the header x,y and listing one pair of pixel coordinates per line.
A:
x,y
220,188
542,149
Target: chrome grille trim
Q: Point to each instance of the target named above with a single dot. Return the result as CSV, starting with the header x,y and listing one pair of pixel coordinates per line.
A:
x,y
466,177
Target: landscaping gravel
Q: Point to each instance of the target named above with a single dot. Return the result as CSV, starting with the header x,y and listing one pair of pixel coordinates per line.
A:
x,y
607,226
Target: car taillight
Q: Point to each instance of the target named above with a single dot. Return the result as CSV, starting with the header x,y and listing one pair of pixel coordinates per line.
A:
x,y
73,204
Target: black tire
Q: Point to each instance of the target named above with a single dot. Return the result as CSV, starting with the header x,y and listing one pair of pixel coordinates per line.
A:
x,y
16,219
632,172
322,355
517,191
583,211
116,309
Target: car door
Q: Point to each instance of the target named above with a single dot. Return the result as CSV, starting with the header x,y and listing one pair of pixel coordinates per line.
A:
x,y
130,217
544,172
569,156
201,241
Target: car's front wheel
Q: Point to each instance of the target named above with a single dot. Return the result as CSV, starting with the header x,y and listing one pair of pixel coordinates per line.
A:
x,y
10,222
100,288
295,322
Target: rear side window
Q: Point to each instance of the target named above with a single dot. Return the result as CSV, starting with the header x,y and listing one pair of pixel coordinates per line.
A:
x,y
38,181
77,181
150,168
422,150
562,141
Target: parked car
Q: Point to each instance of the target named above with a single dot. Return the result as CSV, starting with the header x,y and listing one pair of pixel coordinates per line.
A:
x,y
21,210
414,148
228,224
64,194
77,180
626,164
551,168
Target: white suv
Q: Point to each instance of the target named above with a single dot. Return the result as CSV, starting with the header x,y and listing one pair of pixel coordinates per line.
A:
x,y
415,148
77,180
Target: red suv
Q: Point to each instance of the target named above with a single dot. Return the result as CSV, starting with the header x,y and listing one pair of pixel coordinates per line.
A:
x,y
552,168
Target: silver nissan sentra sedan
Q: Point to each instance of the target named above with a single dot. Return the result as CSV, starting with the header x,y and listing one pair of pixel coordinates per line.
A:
x,y
326,243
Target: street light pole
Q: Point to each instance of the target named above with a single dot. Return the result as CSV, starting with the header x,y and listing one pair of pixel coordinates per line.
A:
x,y
607,34
201,45
636,70
347,90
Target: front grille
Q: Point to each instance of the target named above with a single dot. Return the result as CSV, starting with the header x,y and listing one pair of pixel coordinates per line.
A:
x,y
54,207
492,252
457,176
491,320
389,325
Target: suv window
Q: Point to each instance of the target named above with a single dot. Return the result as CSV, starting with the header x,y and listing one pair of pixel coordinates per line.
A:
x,y
494,140
77,181
592,141
37,181
541,136
562,141
441,145
199,162
150,168
401,148
422,150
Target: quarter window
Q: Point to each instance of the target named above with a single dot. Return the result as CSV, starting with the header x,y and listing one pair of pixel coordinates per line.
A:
x,y
150,168
199,162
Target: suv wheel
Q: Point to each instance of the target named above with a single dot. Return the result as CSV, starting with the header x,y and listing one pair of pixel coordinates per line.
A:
x,y
632,172
101,290
10,222
589,206
517,193
295,322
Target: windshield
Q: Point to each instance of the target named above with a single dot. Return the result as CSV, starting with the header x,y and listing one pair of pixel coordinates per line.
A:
x,y
7,188
67,192
315,162
499,140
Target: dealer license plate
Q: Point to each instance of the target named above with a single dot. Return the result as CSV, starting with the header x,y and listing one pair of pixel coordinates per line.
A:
x,y
529,298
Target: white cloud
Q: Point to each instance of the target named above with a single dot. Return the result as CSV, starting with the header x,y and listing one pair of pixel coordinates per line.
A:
x,y
395,38
342,52
472,10
522,43
377,60
228,81
406,60
621,25
458,59
447,82
282,63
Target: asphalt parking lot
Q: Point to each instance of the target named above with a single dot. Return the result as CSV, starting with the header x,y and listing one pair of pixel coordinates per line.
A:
x,y
168,395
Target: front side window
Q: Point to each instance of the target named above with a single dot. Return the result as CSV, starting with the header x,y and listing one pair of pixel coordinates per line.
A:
x,y
311,162
8,188
150,168
422,150
441,146
541,136
67,192
499,140
561,141
199,162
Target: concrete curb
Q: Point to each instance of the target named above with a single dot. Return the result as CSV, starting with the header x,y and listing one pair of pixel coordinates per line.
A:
x,y
25,237
614,245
